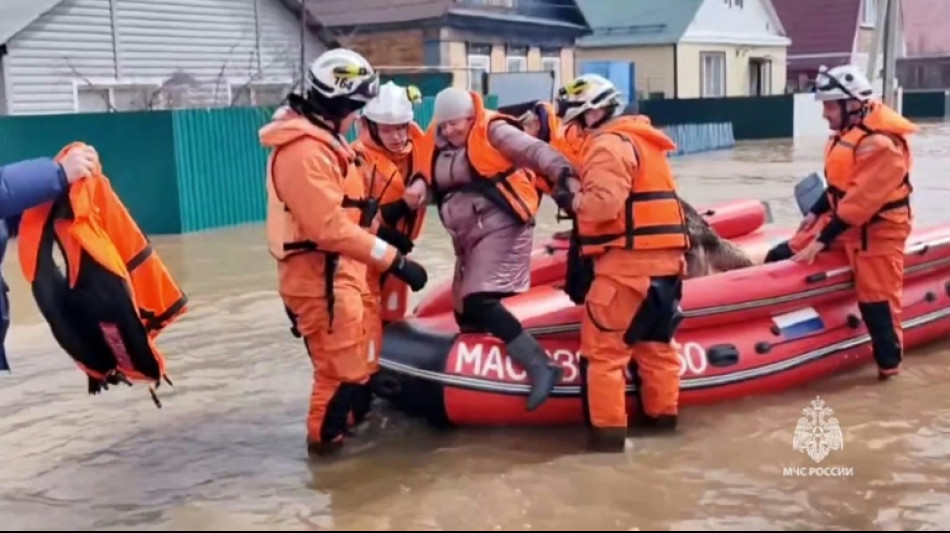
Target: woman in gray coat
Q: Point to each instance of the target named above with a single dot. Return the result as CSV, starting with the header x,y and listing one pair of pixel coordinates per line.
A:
x,y
492,247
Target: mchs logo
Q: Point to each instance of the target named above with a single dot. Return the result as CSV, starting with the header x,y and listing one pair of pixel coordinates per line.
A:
x,y
817,434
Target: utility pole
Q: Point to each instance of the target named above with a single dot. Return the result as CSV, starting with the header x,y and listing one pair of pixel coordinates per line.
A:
x,y
885,42
890,53
303,42
877,40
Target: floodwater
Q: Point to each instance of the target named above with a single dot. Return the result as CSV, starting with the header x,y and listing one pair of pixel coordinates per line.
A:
x,y
227,450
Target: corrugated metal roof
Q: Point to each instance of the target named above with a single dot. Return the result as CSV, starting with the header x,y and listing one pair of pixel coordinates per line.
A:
x,y
926,24
819,26
636,22
15,15
333,13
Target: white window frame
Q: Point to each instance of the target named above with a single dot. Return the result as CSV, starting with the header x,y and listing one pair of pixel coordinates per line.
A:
x,y
110,84
868,13
765,77
708,87
4,107
235,84
552,63
476,63
520,64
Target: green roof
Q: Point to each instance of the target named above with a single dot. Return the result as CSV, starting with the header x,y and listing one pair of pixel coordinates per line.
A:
x,y
636,22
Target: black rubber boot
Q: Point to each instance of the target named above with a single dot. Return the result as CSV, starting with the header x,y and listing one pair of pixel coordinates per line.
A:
x,y
611,440
655,424
317,450
363,403
543,373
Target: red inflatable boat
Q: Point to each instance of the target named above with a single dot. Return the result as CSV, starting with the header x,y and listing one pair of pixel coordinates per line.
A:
x,y
752,331
743,221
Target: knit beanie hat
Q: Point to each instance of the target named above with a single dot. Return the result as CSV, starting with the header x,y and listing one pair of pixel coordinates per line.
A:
x,y
452,103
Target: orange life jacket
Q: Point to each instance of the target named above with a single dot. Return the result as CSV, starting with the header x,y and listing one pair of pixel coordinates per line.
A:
x,y
116,295
571,144
385,183
840,159
497,179
653,218
284,234
551,132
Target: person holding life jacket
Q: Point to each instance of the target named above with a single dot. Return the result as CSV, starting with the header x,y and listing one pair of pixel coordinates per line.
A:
x,y
631,228
390,150
26,184
865,211
116,295
487,204
319,231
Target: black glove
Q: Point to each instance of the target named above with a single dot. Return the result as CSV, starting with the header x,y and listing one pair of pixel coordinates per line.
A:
x,y
396,238
409,271
561,194
393,212
564,199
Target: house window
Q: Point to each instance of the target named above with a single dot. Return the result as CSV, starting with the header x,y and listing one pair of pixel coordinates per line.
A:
x,y
712,73
516,63
760,77
111,96
478,66
3,93
868,12
553,64
259,93
516,58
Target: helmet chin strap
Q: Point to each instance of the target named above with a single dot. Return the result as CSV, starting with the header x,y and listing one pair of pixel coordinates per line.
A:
x,y
609,113
848,116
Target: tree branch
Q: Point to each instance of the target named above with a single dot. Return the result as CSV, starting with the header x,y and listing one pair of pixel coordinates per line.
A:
x,y
224,67
75,72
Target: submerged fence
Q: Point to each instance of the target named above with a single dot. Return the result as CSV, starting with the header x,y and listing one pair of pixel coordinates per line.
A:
x,y
198,169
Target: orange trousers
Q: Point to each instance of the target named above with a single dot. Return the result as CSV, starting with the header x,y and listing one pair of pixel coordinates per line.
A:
x,y
878,270
339,354
610,308
373,325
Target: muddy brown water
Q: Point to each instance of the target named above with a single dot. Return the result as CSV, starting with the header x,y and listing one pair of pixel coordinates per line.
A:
x,y
227,449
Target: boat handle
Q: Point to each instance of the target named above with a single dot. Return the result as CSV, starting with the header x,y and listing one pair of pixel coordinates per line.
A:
x,y
918,249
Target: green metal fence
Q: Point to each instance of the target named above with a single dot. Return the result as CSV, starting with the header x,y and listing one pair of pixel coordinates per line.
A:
x,y
199,169
176,171
137,151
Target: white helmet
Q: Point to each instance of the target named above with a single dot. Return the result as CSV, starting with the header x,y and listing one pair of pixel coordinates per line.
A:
x,y
845,82
392,106
586,92
342,73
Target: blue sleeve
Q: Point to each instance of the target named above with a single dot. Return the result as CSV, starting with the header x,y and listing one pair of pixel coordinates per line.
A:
x,y
29,183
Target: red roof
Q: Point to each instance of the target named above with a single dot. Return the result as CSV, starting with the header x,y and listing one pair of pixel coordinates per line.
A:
x,y
819,26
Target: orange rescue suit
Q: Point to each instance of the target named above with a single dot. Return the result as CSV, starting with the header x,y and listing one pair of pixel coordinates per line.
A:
x,y
866,212
565,139
314,196
386,176
510,188
630,222
117,295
